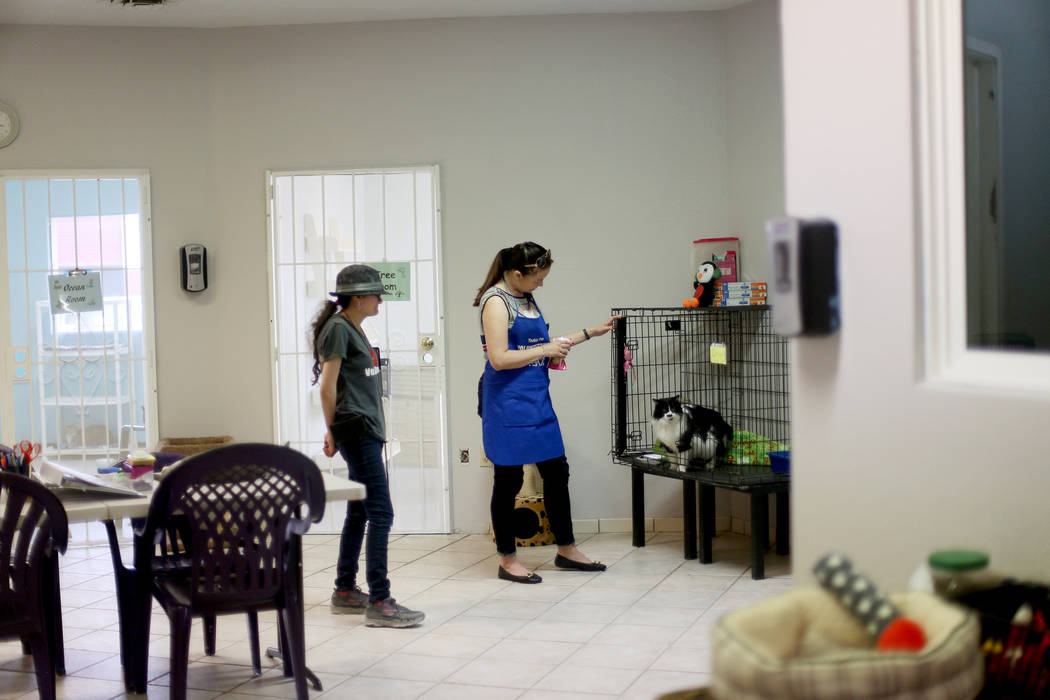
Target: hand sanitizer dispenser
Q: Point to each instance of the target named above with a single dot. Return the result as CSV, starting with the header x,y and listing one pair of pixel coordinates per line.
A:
x,y
194,259
803,282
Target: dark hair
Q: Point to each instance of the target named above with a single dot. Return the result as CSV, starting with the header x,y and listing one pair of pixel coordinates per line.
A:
x,y
327,310
525,257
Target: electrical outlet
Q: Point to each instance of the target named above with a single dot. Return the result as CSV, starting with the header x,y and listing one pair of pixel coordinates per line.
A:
x,y
464,456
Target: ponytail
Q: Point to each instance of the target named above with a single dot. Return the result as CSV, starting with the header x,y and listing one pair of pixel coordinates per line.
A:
x,y
328,309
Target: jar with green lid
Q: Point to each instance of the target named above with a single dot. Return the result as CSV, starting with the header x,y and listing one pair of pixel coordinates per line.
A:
x,y
956,572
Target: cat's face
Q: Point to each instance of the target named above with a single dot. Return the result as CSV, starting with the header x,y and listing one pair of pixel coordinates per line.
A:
x,y
666,408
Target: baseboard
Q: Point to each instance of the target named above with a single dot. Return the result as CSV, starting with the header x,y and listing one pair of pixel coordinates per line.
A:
x,y
621,525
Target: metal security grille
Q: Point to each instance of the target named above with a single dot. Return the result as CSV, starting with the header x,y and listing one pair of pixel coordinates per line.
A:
x,y
727,359
320,222
82,384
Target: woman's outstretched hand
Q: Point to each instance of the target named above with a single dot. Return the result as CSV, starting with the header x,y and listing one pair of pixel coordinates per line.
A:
x,y
604,327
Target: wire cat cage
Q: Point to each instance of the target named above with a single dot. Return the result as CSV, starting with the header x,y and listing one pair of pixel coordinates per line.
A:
x,y
722,358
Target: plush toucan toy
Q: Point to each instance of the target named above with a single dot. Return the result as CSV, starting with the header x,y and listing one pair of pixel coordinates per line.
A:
x,y
703,285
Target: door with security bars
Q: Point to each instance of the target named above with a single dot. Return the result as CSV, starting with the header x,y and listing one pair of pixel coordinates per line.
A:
x,y
79,379
319,223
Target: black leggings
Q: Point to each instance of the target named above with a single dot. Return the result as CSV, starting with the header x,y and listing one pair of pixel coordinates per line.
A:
x,y
506,484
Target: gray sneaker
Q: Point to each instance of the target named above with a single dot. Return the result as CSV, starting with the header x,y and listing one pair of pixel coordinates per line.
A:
x,y
351,600
387,613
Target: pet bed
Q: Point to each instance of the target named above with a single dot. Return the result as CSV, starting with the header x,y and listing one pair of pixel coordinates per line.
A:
x,y
805,644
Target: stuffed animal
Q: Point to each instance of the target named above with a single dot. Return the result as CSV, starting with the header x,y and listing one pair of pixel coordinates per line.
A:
x,y
704,294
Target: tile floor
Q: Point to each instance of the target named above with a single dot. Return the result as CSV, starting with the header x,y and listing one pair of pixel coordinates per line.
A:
x,y
635,631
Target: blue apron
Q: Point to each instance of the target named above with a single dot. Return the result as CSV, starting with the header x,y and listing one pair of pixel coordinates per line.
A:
x,y
517,419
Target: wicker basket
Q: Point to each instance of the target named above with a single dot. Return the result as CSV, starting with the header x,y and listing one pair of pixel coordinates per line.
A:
x,y
192,445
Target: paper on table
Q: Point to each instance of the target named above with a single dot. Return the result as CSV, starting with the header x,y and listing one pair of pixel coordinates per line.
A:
x,y
56,476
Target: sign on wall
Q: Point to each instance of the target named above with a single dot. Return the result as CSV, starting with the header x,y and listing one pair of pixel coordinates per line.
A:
x,y
397,283
75,292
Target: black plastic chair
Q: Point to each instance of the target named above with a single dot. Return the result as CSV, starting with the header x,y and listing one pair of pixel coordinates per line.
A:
x,y
34,530
221,537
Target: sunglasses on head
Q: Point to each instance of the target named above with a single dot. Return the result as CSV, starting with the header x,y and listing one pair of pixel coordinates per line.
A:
x,y
542,262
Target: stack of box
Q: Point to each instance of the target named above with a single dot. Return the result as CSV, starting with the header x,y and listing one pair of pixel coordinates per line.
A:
x,y
740,293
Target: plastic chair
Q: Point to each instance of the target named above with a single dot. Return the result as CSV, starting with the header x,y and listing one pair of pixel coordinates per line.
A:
x,y
221,537
33,532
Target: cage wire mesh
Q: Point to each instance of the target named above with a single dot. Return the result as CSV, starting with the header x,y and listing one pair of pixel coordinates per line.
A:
x,y
725,358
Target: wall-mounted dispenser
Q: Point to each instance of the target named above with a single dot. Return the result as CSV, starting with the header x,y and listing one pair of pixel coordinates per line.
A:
x,y
194,259
804,276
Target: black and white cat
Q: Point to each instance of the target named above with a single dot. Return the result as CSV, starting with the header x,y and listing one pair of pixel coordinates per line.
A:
x,y
694,432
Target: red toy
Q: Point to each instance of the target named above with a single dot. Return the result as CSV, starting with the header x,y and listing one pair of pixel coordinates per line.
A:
x,y
881,618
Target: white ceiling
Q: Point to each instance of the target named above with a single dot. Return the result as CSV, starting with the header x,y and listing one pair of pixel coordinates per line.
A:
x,y
245,13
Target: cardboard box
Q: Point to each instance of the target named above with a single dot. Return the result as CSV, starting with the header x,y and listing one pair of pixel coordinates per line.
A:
x,y
192,445
725,251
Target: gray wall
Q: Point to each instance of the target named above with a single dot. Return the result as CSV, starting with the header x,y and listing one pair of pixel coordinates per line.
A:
x,y
605,137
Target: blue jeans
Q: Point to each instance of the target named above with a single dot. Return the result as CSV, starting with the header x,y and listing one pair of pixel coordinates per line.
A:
x,y
365,460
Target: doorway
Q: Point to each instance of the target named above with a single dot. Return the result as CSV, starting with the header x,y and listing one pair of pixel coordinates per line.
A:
x,y
321,221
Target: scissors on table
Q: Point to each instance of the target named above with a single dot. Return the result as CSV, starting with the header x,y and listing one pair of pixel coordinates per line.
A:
x,y
28,451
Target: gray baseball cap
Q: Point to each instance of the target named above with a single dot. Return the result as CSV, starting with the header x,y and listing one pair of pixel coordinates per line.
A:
x,y
358,280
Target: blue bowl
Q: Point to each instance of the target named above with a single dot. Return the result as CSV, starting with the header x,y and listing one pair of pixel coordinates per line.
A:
x,y
780,462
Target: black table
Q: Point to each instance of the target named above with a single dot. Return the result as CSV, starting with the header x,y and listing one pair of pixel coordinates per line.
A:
x,y
757,481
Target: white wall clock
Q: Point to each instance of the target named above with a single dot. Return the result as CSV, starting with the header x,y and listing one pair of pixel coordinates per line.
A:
x,y
8,124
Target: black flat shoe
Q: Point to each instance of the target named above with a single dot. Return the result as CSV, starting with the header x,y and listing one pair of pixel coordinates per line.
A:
x,y
566,563
507,576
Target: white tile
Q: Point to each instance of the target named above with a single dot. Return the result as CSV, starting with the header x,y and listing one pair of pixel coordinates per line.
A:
x,y
87,688
662,616
681,658
473,625
458,691
515,609
635,631
583,612
555,631
452,645
364,687
636,634
615,656
573,678
506,673
527,650
414,667
544,694
654,683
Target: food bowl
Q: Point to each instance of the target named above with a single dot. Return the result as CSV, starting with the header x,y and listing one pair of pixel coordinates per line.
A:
x,y
780,462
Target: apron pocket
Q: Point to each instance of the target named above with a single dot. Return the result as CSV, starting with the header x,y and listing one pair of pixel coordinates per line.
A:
x,y
526,406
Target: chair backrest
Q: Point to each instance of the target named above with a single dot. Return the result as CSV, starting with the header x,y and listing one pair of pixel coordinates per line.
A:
x,y
33,525
229,513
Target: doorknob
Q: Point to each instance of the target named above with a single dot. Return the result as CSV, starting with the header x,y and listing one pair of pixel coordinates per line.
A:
x,y
426,342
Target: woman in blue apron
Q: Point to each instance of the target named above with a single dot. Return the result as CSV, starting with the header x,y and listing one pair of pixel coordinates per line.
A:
x,y
518,422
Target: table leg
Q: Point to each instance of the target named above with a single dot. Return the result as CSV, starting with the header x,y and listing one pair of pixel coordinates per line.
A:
x,y
707,521
278,652
783,533
637,508
53,613
759,533
689,517
133,613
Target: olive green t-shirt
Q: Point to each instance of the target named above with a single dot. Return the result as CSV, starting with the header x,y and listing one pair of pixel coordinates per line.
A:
x,y
358,388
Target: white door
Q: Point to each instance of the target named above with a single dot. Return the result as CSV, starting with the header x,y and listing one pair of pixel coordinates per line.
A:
x,y
903,440
320,222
